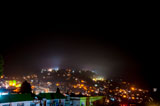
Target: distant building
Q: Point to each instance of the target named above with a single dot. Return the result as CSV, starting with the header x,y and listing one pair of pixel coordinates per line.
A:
x,y
43,99
4,91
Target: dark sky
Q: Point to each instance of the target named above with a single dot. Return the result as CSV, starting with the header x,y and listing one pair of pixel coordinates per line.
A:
x,y
130,51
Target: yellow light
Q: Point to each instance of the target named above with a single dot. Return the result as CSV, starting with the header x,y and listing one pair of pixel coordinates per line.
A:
x,y
32,87
92,90
125,92
81,85
74,86
85,88
124,96
94,79
120,90
16,90
132,88
98,79
110,90
12,83
107,100
123,82
57,84
77,93
18,85
2,76
133,97
82,81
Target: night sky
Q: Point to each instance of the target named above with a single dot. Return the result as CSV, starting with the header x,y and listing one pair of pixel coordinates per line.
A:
x,y
112,51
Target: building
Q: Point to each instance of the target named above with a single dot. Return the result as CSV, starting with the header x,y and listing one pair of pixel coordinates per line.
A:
x,y
85,101
17,100
52,99
43,99
4,91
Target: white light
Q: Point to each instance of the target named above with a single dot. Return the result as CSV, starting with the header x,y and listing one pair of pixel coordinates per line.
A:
x,y
112,99
50,69
7,85
4,93
95,85
56,69
154,89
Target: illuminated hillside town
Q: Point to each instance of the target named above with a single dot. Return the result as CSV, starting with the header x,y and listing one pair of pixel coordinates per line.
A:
x,y
77,84
109,64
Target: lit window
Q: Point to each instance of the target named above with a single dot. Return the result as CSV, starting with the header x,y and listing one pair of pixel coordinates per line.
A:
x,y
32,104
20,104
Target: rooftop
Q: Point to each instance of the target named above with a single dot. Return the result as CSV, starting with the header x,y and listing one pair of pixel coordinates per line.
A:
x,y
15,98
51,95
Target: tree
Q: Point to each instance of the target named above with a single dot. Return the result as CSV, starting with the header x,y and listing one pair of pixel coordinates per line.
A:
x,y
25,88
1,65
58,90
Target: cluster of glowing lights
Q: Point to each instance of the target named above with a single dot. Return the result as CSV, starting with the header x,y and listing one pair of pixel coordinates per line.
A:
x,y
82,86
12,83
18,85
53,69
129,93
98,79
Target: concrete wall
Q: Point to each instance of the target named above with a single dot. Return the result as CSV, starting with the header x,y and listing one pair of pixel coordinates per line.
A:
x,y
54,102
87,101
26,103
